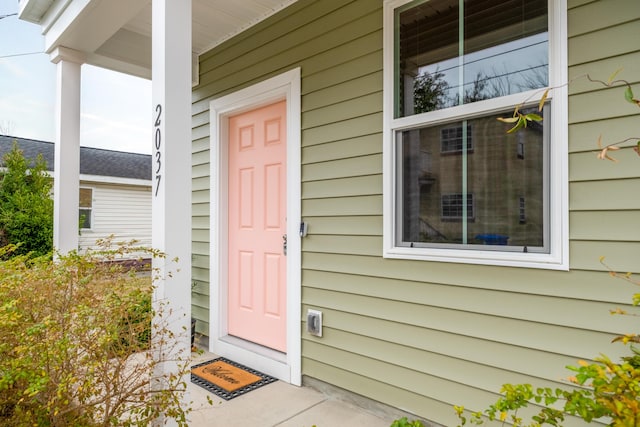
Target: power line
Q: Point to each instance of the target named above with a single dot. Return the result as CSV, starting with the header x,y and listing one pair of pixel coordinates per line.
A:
x,y
20,54
8,15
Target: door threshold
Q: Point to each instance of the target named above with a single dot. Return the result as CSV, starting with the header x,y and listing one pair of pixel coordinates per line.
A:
x,y
255,356
276,355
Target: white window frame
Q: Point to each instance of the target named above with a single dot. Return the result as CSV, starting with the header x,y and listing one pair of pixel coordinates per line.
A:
x,y
557,257
90,209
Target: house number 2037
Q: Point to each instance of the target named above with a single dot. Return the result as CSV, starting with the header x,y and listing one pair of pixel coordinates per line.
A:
x,y
157,144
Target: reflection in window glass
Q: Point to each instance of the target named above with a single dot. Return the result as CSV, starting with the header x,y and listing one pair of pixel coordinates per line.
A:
x,y
452,139
453,205
473,198
498,48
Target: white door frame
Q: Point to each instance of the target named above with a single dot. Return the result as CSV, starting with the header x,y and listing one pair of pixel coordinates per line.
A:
x,y
286,367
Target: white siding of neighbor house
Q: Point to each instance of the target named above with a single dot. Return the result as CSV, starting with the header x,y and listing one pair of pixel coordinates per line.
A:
x,y
123,211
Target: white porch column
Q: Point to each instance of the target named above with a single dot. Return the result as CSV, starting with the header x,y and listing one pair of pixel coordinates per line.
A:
x,y
67,149
171,224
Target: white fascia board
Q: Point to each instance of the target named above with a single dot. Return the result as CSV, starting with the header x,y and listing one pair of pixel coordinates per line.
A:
x,y
86,25
115,180
58,19
33,10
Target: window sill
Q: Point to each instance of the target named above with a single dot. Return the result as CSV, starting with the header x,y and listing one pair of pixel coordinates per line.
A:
x,y
477,257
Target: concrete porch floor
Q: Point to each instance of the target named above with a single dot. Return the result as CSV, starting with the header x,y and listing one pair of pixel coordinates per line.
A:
x,y
277,405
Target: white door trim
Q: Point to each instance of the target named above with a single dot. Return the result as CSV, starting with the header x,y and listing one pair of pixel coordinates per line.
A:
x,y
286,367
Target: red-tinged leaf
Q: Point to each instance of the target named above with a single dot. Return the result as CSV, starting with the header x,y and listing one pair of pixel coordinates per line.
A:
x,y
543,99
600,141
613,148
637,148
508,119
613,76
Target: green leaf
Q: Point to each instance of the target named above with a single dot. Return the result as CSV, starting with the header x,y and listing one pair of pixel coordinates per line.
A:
x,y
521,123
628,95
533,117
613,76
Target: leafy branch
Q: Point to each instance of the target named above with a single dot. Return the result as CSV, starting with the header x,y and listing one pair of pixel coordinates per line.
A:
x,y
521,120
602,388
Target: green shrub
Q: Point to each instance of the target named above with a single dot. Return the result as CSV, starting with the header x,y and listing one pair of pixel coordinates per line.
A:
x,y
26,207
75,345
404,422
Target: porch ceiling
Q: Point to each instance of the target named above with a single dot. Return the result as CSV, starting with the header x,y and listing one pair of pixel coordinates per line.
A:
x,y
116,34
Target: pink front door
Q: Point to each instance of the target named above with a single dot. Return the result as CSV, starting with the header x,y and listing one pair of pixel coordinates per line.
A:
x,y
257,226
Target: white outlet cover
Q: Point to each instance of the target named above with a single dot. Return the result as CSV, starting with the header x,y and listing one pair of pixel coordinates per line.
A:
x,y
314,322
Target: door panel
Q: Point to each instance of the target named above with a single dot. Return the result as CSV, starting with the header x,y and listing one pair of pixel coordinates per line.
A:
x,y
257,223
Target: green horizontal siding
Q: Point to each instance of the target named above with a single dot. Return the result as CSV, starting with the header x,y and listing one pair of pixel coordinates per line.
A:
x,y
480,301
341,187
343,149
424,336
349,128
604,225
347,206
353,166
584,136
627,66
600,105
352,225
489,353
353,90
609,13
610,195
607,42
582,284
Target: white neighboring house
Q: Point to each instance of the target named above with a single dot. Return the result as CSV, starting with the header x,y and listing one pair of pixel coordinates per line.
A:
x,y
115,191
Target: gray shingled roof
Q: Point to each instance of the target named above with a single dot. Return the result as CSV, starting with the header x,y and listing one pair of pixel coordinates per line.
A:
x,y
93,161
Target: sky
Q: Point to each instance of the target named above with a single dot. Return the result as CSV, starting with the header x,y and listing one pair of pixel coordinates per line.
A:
x,y
115,108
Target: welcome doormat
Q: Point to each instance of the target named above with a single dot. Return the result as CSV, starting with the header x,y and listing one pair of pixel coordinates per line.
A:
x,y
228,379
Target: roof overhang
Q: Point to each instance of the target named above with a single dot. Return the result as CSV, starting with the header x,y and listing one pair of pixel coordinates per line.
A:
x,y
116,34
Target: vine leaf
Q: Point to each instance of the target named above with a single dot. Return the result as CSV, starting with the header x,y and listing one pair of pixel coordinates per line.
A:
x,y
604,151
628,95
508,119
543,99
613,76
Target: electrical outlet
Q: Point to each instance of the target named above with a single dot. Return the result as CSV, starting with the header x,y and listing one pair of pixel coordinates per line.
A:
x,y
314,322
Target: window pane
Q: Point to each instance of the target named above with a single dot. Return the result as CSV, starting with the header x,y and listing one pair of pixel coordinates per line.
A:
x,y
85,218
498,48
488,195
85,197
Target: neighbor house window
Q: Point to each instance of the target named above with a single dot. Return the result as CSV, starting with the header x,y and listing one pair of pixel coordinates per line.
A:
x,y
452,68
453,139
454,207
86,207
